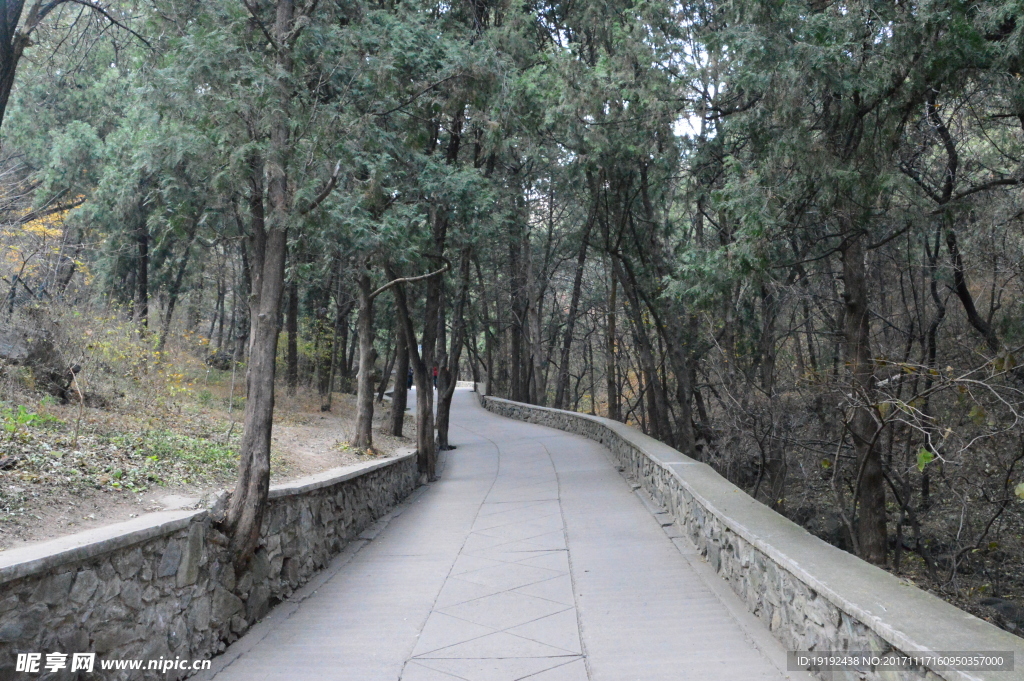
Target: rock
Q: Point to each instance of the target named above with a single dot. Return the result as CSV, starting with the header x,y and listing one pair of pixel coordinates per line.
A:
x,y
224,605
714,557
30,344
170,560
239,624
227,576
14,347
131,595
244,584
53,589
114,612
112,589
258,603
177,636
188,570
1010,615
85,585
218,508
155,647
219,360
290,571
9,603
260,567
22,626
106,572
74,638
199,614
128,564
115,638
273,545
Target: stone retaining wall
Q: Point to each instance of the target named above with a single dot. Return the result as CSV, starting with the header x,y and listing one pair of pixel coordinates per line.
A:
x,y
811,595
163,585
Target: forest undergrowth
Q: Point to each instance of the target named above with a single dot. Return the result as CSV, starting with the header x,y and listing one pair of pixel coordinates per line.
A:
x,y
147,425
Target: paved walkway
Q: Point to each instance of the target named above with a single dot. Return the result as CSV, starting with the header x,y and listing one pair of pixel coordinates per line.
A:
x,y
531,558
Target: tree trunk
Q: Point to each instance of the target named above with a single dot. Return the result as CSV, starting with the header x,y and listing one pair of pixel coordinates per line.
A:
x,y
325,368
218,312
291,327
249,500
657,409
400,396
593,380
13,44
774,447
536,286
363,438
353,349
142,278
245,512
611,373
67,266
488,335
518,369
870,498
341,312
173,294
243,319
426,454
449,373
678,353
562,384
982,326
342,348
385,377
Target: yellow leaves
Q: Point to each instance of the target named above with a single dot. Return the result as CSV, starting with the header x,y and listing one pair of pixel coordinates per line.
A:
x,y
50,226
37,238
42,230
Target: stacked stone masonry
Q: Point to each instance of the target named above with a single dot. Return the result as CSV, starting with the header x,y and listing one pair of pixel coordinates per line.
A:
x,y
169,590
803,611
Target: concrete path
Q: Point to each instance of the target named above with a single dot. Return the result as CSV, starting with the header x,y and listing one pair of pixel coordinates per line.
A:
x,y
531,558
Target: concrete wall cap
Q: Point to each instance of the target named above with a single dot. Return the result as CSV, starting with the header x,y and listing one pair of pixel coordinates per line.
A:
x,y
83,546
336,476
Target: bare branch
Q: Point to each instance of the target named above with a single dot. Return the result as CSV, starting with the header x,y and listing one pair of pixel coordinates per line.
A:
x,y
259,22
50,210
331,184
96,7
417,95
409,280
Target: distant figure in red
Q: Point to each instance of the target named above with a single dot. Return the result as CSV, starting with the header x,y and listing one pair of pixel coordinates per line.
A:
x,y
435,377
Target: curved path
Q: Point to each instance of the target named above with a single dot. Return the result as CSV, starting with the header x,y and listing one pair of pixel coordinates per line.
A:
x,y
531,558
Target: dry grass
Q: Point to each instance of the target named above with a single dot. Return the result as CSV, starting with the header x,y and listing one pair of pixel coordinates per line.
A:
x,y
153,427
